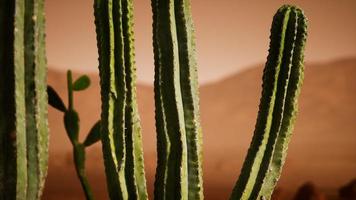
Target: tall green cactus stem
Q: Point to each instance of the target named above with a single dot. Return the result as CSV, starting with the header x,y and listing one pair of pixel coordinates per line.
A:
x,y
190,97
282,80
121,131
23,99
135,173
179,137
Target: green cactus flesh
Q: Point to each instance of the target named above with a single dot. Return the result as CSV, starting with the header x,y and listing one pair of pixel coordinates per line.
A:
x,y
282,80
23,96
179,166
120,123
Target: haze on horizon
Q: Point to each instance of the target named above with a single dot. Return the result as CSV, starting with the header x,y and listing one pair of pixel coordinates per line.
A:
x,y
231,35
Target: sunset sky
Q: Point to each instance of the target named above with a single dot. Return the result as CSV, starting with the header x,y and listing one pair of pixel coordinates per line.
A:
x,y
231,35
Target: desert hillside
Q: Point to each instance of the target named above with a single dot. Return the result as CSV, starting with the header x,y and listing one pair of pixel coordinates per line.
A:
x,y
322,150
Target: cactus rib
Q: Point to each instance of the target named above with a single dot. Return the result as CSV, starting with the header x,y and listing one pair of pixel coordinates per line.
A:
x,y
112,100
163,143
120,128
13,111
168,84
37,144
135,174
24,169
190,96
291,106
282,80
179,166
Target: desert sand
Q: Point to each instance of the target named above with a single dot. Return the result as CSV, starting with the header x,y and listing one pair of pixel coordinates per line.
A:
x,y
322,150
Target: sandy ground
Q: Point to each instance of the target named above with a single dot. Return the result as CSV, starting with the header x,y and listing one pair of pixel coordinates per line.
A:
x,y
322,150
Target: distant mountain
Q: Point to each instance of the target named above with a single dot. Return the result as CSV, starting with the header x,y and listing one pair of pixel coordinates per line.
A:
x,y
322,150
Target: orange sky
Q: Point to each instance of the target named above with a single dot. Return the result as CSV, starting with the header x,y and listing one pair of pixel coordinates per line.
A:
x,y
231,34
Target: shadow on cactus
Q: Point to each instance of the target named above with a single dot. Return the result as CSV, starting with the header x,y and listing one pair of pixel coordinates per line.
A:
x,y
23,120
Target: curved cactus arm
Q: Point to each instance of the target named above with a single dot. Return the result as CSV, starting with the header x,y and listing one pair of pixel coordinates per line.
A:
x,y
190,96
290,108
262,165
167,84
113,94
135,174
25,129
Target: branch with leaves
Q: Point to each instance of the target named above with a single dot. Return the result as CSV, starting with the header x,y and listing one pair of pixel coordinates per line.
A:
x,y
71,124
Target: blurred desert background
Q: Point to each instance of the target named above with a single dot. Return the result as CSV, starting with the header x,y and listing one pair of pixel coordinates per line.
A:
x,y
232,44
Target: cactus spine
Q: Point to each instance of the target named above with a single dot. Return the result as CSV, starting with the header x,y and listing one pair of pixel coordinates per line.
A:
x,y
179,137
121,130
282,79
23,99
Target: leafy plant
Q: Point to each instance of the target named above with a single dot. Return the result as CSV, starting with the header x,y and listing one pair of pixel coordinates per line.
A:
x,y
71,123
23,100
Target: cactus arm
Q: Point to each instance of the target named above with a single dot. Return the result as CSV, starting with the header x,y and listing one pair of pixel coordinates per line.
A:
x,y
135,174
101,13
190,96
36,99
176,183
247,179
31,135
119,90
24,133
176,98
14,107
121,130
20,108
163,143
291,107
275,95
5,47
108,19
279,105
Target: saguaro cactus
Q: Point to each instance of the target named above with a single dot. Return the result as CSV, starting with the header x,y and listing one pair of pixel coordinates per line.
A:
x,y
282,79
179,137
120,123
23,100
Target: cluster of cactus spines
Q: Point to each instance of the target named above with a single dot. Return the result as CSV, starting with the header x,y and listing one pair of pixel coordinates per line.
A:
x,y
282,79
179,166
121,131
23,126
